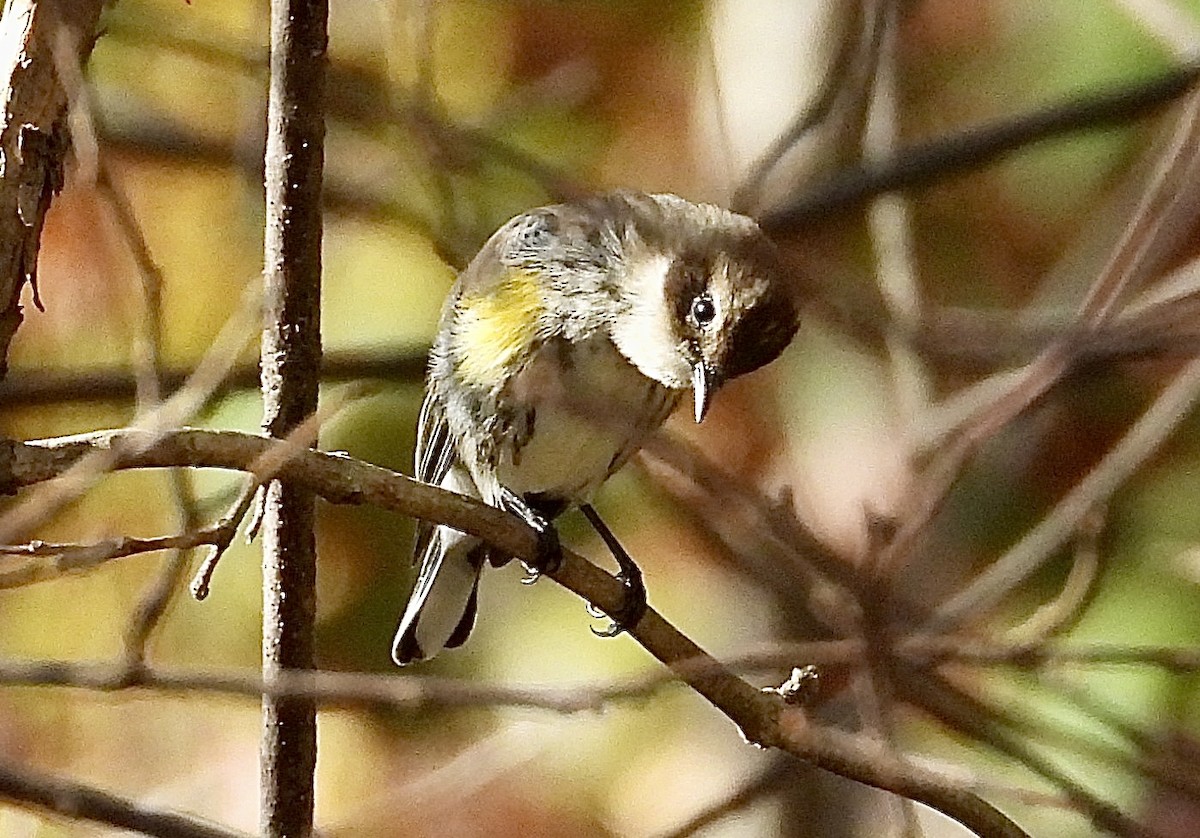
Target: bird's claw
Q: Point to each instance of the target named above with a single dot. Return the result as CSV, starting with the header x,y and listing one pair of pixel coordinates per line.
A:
x,y
614,628
633,603
548,555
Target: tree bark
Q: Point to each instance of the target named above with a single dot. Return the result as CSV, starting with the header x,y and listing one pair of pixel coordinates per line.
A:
x,y
33,135
291,355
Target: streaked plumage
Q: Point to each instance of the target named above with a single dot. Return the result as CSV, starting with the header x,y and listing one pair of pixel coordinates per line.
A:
x,y
568,339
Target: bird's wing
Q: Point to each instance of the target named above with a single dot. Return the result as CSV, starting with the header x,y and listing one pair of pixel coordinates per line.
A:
x,y
434,456
441,609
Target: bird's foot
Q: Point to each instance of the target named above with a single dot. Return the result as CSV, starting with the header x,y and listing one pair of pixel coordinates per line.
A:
x,y
633,603
548,556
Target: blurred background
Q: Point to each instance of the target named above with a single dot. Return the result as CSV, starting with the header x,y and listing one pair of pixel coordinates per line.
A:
x,y
448,117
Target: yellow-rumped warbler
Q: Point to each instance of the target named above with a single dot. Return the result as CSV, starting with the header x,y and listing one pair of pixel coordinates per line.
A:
x,y
568,339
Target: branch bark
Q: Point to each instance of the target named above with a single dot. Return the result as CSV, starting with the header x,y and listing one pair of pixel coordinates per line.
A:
x,y
291,356
33,137
762,716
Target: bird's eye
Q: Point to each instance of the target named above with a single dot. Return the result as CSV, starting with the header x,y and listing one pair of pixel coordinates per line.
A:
x,y
703,310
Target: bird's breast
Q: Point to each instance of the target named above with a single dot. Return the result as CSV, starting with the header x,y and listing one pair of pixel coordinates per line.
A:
x,y
581,410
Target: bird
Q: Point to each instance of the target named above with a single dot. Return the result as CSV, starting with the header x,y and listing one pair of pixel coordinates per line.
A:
x,y
570,338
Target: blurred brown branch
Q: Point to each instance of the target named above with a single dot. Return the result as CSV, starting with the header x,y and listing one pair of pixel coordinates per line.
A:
x,y
148,368
820,594
407,693
361,97
968,339
973,148
45,387
80,802
1166,206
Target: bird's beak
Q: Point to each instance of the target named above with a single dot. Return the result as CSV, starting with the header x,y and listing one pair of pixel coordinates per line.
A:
x,y
703,386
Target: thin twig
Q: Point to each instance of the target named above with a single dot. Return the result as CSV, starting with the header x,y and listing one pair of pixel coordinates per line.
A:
x,y
1174,659
923,650
68,66
1063,612
148,366
1022,388
890,231
147,361
889,225
155,600
745,795
841,92
1038,545
954,705
226,529
1164,203
299,438
173,412
428,115
409,693
57,560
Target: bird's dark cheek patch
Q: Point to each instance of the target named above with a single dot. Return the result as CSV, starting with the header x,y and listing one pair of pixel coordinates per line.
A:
x,y
760,337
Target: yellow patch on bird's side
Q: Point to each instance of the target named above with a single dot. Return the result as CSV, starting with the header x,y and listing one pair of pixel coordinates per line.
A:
x,y
493,330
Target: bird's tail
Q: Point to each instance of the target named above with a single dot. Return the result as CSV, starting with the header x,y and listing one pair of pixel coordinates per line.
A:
x,y
441,611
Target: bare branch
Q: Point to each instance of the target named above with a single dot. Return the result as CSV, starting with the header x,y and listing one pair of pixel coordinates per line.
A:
x,y
80,802
1063,613
291,361
767,782
176,410
57,560
152,606
839,100
1139,443
408,693
227,529
763,718
974,148
44,387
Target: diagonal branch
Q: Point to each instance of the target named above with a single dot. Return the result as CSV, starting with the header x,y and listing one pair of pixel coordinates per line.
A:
x,y
80,802
762,716
975,147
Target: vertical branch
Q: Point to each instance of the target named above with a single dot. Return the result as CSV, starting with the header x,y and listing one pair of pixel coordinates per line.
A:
x,y
33,137
291,352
